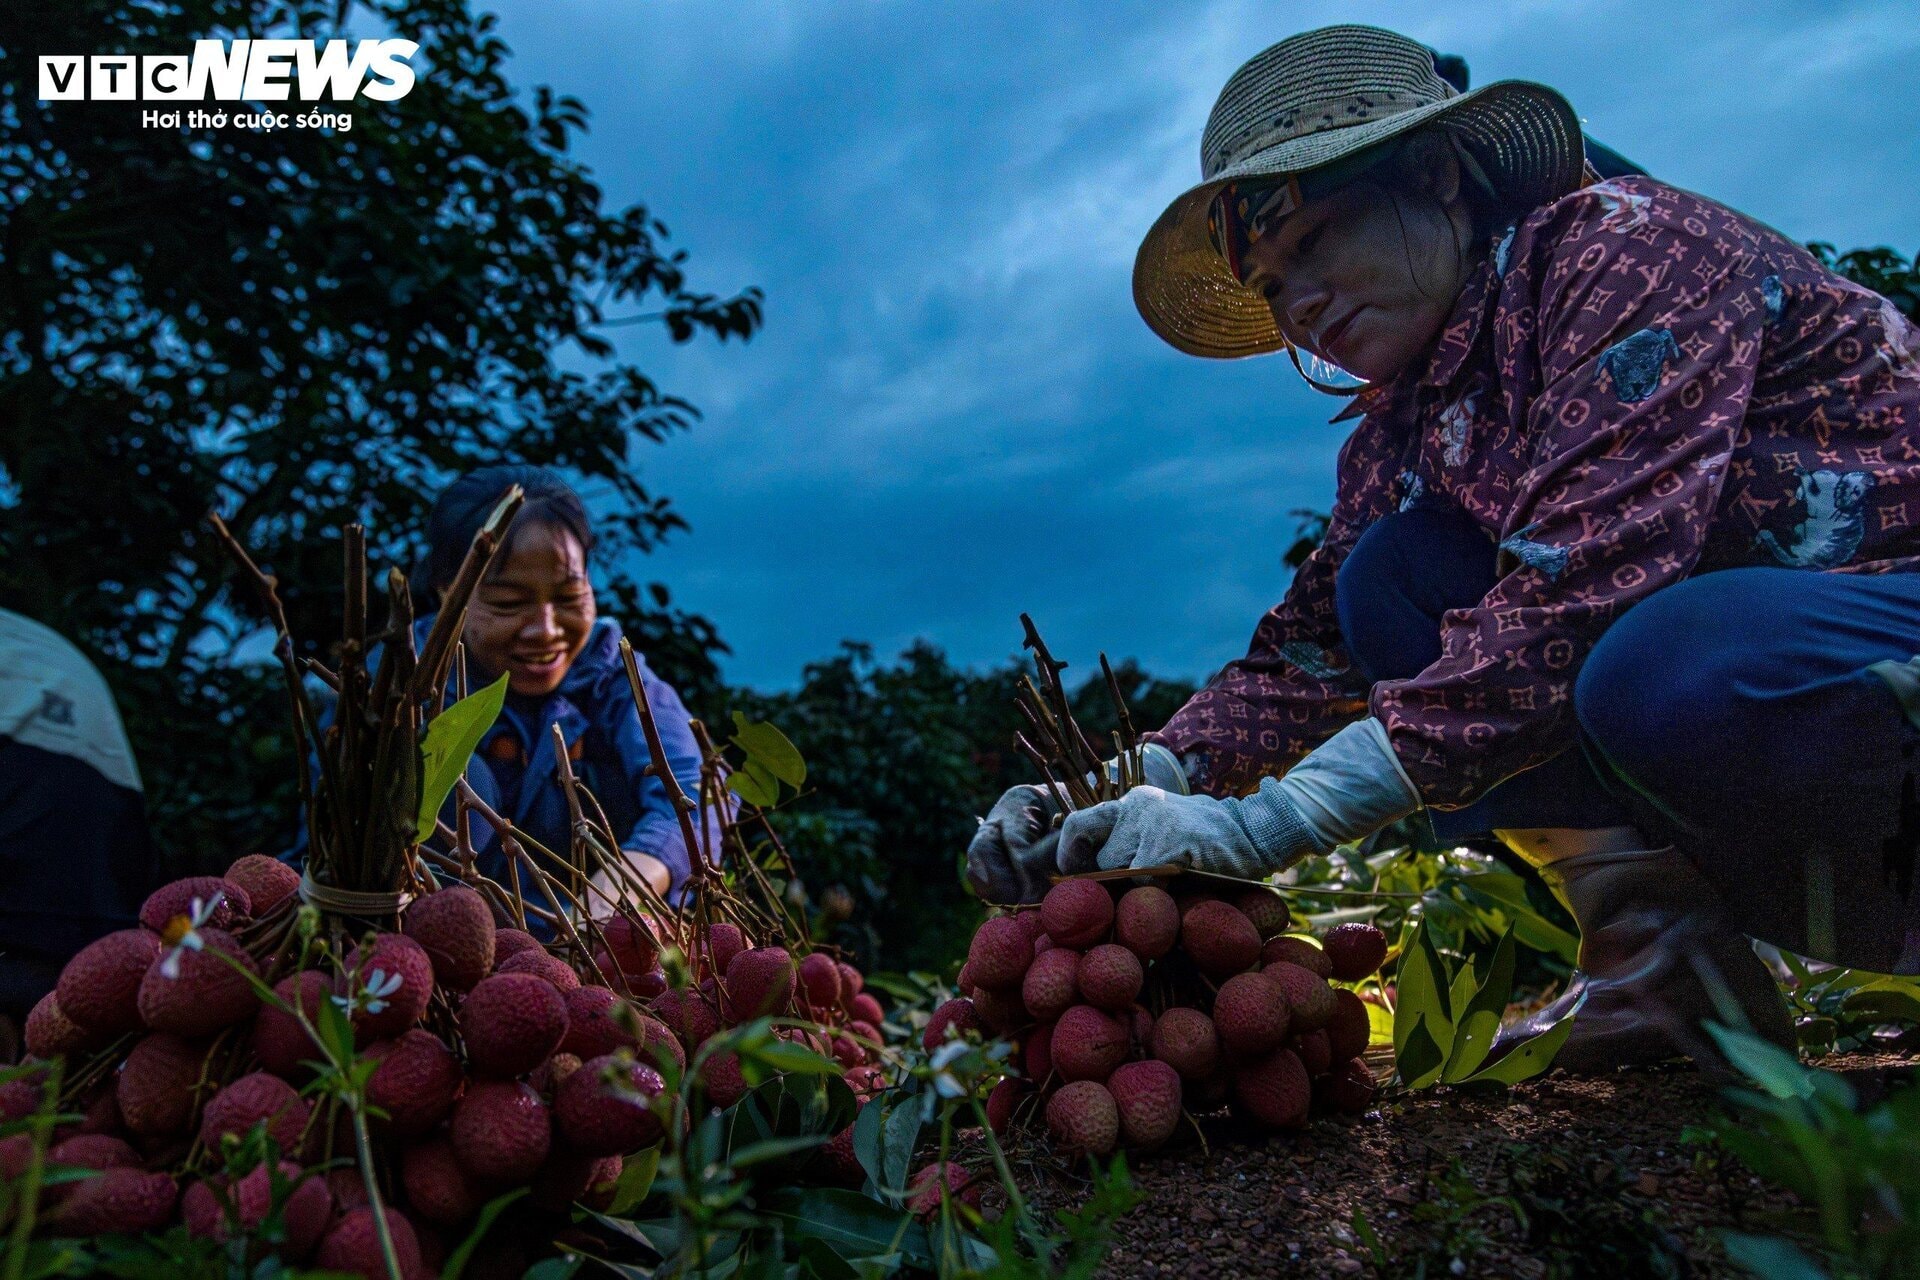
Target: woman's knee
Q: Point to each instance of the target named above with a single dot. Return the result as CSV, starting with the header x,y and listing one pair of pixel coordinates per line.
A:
x,y
1400,576
1673,674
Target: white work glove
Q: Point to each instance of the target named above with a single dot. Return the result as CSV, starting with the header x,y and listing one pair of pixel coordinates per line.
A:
x,y
1012,856
1351,787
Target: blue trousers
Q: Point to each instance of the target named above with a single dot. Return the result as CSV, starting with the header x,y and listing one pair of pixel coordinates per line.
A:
x,y
1732,714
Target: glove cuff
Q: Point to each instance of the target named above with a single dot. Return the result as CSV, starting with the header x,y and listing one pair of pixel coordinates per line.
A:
x,y
1274,827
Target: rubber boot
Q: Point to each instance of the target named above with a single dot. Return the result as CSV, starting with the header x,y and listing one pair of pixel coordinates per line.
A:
x,y
1657,959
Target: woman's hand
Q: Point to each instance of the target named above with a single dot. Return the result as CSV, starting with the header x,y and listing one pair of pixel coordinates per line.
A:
x,y
1011,856
1349,788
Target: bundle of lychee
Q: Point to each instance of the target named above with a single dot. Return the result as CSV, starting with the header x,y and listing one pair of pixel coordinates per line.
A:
x,y
1131,1004
498,1064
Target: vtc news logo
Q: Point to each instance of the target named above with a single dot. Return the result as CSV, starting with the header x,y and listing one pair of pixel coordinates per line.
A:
x,y
236,71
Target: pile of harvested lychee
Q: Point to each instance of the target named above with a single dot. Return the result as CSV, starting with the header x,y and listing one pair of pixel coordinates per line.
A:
x,y
1130,1005
497,1064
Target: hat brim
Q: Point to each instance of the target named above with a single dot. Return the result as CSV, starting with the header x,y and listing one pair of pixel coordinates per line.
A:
x,y
1526,135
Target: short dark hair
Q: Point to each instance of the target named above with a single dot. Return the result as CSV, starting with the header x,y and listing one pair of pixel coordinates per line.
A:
x,y
464,506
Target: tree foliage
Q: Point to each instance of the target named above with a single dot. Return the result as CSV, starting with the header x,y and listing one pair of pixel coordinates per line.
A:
x,y
902,760
301,328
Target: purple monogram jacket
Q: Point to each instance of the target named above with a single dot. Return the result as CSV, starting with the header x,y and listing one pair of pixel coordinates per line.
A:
x,y
1637,385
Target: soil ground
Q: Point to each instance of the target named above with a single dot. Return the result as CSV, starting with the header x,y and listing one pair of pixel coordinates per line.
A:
x,y
1560,1176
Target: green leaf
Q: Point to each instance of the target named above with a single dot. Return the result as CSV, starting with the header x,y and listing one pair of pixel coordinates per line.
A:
x,y
1528,1059
1770,1257
754,785
769,748
451,738
853,1225
1420,1060
457,1261
867,1137
774,1149
901,1137
636,1181
1480,1014
1422,1000
1770,1067
784,1055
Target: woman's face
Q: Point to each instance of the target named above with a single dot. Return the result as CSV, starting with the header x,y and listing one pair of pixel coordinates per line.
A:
x,y
531,616
1359,283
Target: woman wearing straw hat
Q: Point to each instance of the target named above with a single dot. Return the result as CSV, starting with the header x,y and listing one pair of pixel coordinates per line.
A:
x,y
1621,561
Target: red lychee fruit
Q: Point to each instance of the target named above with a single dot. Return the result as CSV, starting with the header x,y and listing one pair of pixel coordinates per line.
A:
x,y
196,993
657,1045
1051,984
511,1022
1088,1043
1348,1088
279,1041
438,1187
50,1033
546,1077
1220,939
100,987
852,983
267,882
501,1131
83,1151
759,984
564,1179
544,965
866,1082
820,980
353,1245
838,1163
603,1183
939,1182
630,944
953,1019
725,1083
1147,1096
1028,919
999,954
1147,922
305,1209
1003,1100
1355,951
254,1099
389,984
416,1083
1251,1014
1000,1011
156,1088
867,1009
593,1022
1077,913
1297,951
1275,1090
455,927
723,942
1036,1055
1110,977
1315,1054
1186,1040
508,943
115,1201
1267,910
170,901
604,1108
1083,1119
1350,1032
1308,996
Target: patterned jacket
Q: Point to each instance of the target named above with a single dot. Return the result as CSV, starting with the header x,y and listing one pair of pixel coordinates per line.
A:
x,y
1635,386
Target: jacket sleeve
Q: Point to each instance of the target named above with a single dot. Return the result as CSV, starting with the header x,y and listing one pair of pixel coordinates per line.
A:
x,y
1628,346
657,830
1294,687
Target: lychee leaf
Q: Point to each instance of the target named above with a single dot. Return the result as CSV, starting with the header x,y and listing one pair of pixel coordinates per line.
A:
x,y
1420,993
754,785
770,749
636,1181
1527,1060
457,1261
867,1138
451,739
854,1225
1419,1063
1480,1013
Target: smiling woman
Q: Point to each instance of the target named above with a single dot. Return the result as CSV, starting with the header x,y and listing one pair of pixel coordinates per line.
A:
x,y
534,621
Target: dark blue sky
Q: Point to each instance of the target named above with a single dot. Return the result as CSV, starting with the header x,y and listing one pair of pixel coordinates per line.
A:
x,y
954,413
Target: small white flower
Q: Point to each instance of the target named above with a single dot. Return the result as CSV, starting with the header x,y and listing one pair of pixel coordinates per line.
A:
x,y
184,932
945,1083
373,997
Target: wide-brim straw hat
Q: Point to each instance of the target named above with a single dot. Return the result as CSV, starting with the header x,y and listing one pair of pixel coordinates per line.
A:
x,y
1309,101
